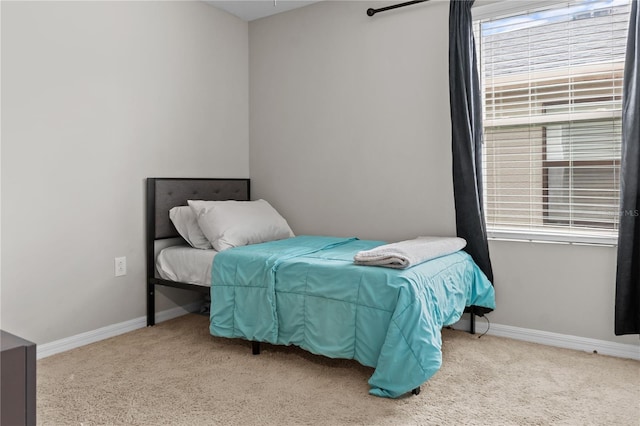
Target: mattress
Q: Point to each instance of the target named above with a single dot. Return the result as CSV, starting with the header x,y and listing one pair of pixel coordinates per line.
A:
x,y
186,264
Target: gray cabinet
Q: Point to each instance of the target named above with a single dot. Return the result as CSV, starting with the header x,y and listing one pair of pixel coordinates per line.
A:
x,y
17,381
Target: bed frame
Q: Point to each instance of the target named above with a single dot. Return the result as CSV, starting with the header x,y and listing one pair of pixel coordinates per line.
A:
x,y
162,195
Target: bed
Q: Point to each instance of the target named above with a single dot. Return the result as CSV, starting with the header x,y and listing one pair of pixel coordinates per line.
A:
x,y
308,292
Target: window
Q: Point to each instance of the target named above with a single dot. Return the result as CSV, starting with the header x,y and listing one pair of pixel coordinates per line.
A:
x,y
552,83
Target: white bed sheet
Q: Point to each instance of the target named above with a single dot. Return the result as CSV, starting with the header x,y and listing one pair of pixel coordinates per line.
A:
x,y
186,264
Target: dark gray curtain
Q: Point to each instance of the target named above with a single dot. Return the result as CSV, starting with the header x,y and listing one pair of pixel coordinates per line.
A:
x,y
627,313
466,132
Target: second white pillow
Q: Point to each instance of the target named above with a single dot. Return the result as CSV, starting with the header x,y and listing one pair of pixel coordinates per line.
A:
x,y
186,224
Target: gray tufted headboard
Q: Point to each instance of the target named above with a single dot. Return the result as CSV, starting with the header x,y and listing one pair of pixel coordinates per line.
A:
x,y
166,193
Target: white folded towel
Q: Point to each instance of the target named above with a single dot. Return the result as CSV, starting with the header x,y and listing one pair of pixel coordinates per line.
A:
x,y
405,254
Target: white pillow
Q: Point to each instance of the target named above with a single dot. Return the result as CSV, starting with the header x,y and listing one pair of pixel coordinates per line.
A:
x,y
186,224
229,224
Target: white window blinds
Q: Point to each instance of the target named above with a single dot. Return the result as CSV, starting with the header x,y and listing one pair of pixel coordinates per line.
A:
x,y
552,93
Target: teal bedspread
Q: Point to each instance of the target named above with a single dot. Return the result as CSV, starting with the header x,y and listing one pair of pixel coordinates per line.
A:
x,y
306,291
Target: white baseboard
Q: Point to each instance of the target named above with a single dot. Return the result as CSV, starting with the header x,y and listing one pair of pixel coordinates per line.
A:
x,y
603,347
62,345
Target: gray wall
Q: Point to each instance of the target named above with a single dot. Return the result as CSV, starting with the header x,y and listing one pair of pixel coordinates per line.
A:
x,y
341,107
96,96
350,135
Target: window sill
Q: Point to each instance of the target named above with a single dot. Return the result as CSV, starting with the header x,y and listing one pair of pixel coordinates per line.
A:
x,y
588,239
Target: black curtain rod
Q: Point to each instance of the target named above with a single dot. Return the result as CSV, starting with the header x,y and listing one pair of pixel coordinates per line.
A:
x,y
372,12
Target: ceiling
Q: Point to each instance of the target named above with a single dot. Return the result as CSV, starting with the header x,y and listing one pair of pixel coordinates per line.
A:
x,y
248,10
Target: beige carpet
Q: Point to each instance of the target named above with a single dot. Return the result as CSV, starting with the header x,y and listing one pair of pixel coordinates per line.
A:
x,y
177,374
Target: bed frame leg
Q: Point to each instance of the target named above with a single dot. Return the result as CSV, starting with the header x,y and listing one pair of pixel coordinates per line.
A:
x,y
472,323
416,391
255,348
151,305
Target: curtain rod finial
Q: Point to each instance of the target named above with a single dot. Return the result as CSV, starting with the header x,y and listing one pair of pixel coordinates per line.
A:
x,y
371,12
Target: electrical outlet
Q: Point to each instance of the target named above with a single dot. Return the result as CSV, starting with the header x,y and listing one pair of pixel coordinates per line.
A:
x,y
121,266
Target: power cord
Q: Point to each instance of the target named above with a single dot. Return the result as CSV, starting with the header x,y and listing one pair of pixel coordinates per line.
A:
x,y
488,326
